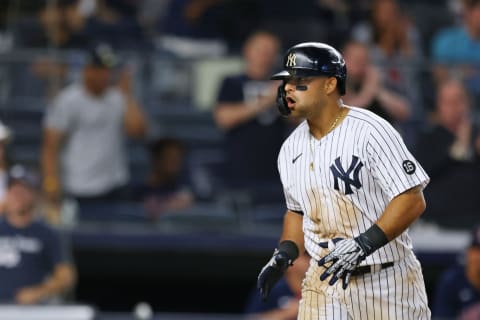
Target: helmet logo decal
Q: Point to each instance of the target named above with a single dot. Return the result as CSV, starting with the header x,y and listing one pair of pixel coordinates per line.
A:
x,y
291,60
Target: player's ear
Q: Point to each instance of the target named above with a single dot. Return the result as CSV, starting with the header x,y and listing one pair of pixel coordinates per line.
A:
x,y
330,85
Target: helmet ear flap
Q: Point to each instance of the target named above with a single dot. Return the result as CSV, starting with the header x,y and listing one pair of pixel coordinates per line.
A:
x,y
341,81
282,104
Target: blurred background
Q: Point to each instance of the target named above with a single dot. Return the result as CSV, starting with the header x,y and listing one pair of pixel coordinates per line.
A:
x,y
152,127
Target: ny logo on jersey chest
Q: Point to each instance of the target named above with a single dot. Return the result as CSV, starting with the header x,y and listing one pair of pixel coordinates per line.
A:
x,y
339,173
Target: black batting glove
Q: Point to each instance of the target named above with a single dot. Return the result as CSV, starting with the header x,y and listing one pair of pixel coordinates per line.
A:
x,y
275,268
272,272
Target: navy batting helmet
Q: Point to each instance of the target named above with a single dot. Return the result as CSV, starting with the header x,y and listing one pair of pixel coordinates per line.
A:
x,y
310,59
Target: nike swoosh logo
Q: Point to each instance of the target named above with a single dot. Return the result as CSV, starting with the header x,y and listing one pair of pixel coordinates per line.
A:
x,y
295,159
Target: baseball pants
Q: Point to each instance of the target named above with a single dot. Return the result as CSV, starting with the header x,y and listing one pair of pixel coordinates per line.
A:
x,y
397,292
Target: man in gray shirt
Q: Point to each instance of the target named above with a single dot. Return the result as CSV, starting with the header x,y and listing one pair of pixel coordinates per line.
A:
x,y
83,154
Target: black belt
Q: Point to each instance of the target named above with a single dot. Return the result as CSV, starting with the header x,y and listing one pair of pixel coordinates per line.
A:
x,y
373,268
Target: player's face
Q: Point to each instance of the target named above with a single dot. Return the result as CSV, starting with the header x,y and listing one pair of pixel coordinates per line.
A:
x,y
97,79
472,17
306,103
170,162
385,12
261,54
452,103
20,199
357,60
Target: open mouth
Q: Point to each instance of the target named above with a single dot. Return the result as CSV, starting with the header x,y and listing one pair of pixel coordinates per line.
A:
x,y
290,102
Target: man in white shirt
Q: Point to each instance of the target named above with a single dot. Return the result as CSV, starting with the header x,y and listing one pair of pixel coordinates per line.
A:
x,y
83,153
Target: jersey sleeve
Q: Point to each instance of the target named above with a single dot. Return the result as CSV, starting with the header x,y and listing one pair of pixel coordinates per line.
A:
x,y
119,99
59,115
392,165
287,181
230,91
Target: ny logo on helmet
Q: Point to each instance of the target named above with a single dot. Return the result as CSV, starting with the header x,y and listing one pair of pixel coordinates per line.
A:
x,y
291,60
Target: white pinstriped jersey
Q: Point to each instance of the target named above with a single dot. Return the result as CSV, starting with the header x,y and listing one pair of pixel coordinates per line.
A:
x,y
358,168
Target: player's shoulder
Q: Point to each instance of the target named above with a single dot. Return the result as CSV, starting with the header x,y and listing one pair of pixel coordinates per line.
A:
x,y
299,134
368,119
71,92
115,94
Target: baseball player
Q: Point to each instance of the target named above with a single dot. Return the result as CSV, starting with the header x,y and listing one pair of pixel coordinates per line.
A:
x,y
352,190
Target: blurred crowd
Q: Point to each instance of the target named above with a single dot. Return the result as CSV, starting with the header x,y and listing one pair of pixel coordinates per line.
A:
x,y
415,63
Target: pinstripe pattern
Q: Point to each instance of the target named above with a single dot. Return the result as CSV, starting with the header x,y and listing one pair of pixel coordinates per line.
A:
x,y
330,213
359,167
367,296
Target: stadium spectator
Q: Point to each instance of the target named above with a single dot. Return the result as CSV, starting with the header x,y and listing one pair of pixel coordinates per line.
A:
x,y
450,153
395,48
5,136
456,50
52,25
457,295
34,266
247,114
83,153
389,31
338,17
57,24
282,303
454,138
166,189
365,88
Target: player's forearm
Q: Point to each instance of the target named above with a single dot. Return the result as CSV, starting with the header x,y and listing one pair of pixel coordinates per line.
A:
x,y
362,99
401,212
134,119
49,163
292,230
230,115
63,278
394,104
49,160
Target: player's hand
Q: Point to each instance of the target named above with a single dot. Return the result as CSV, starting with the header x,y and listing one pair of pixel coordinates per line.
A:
x,y
372,83
124,83
272,272
345,256
267,100
51,188
29,295
273,88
